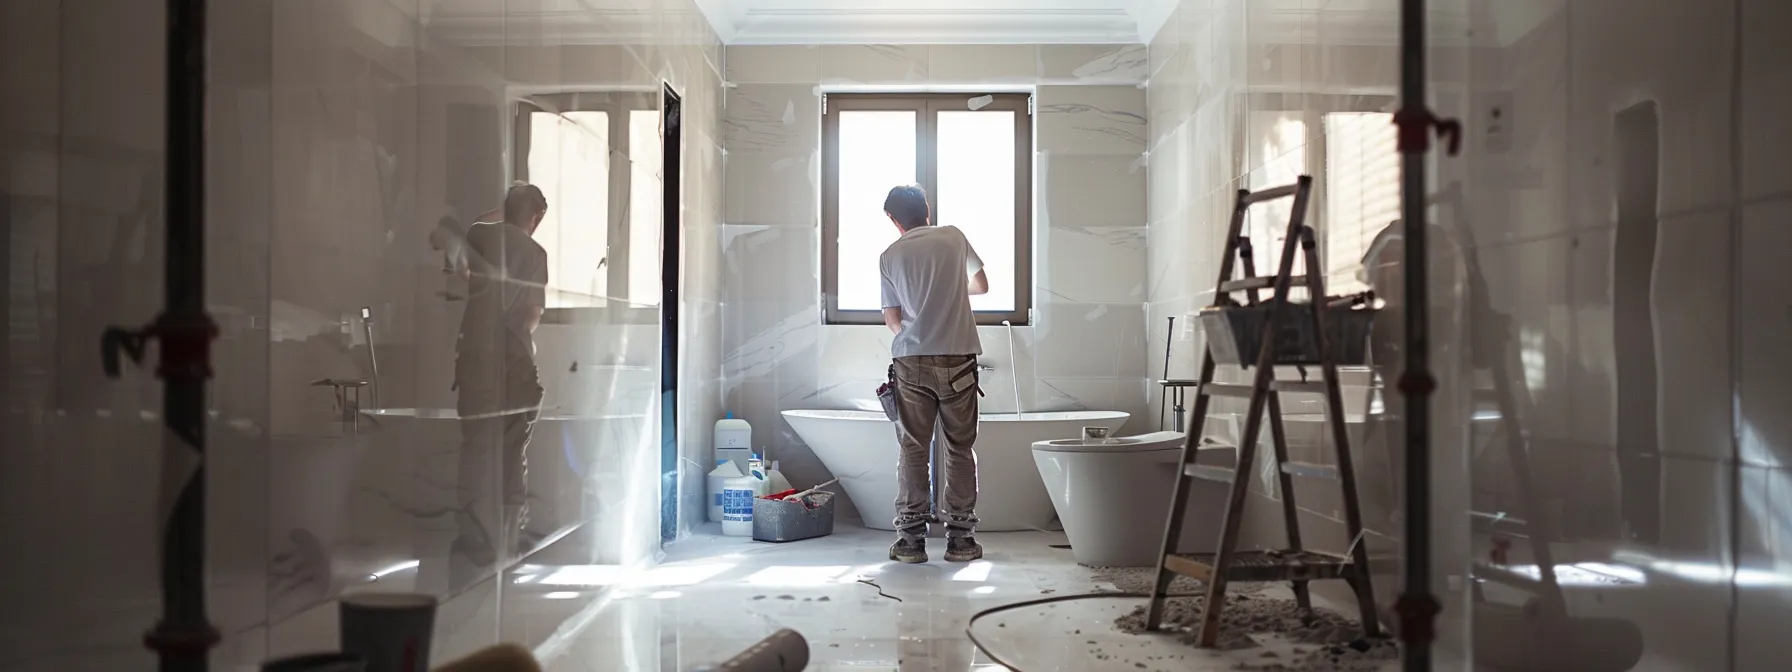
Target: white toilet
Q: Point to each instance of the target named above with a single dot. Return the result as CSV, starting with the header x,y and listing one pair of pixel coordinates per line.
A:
x,y
1113,496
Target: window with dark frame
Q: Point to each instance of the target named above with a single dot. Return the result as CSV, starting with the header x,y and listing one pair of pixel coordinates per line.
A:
x,y
973,153
602,228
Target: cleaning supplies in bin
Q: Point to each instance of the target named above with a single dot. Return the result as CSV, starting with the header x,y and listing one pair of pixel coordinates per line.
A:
x,y
777,518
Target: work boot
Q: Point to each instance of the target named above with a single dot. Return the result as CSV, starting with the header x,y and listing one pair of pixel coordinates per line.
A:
x,y
910,551
963,549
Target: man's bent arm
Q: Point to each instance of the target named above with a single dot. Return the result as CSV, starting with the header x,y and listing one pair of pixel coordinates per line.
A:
x,y
893,319
979,283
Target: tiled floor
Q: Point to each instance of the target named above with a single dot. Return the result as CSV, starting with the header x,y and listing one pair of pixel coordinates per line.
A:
x,y
715,596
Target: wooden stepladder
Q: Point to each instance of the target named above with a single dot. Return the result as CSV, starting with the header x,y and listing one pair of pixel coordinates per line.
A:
x,y
1281,319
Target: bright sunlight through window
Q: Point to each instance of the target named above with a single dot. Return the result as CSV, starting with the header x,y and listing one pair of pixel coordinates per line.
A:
x,y
569,159
972,154
976,194
877,151
644,208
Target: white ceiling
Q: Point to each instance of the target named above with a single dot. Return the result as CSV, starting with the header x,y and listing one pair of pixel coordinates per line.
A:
x,y
945,21
935,21
815,21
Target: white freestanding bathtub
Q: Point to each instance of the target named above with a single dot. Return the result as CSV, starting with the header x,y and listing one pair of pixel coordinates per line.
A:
x,y
859,447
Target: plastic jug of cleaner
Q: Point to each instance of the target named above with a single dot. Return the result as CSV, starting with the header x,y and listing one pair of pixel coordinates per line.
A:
x,y
756,471
718,479
734,441
737,505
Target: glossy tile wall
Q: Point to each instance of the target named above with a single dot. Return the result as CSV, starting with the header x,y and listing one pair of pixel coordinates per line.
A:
x,y
1084,350
339,134
1599,248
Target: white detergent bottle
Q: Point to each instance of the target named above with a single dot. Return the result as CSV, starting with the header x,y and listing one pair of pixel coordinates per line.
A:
x,y
776,480
756,471
734,441
737,505
718,478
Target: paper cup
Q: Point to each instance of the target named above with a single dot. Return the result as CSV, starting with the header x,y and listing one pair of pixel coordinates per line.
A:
x,y
391,631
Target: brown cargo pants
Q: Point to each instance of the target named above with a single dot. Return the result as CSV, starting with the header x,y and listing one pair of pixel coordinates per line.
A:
x,y
936,391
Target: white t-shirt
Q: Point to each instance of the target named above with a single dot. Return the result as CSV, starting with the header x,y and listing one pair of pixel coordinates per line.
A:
x,y
927,273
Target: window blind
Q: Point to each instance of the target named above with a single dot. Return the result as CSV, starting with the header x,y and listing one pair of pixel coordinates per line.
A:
x,y
1362,192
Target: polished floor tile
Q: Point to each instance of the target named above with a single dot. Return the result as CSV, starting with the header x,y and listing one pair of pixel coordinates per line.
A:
x,y
714,597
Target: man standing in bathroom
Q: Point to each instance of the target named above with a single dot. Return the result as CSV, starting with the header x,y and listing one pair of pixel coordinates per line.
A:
x,y
495,375
929,276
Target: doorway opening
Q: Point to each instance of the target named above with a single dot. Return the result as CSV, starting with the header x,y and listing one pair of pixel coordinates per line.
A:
x,y
671,217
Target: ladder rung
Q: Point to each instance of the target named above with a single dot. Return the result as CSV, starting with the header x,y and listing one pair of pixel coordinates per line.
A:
x,y
1299,386
1244,391
1208,472
1226,390
1310,469
1263,566
1260,282
1283,191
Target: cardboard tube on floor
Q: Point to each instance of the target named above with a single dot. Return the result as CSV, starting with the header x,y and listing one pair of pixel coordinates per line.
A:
x,y
784,651
500,658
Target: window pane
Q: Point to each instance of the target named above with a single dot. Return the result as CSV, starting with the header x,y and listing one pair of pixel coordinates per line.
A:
x,y
975,156
569,159
645,203
1280,155
877,151
1362,192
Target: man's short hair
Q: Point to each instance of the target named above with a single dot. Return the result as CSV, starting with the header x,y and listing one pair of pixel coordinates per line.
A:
x,y
907,204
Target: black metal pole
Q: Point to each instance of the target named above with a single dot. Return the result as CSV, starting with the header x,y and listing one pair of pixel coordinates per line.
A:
x,y
184,637
1417,607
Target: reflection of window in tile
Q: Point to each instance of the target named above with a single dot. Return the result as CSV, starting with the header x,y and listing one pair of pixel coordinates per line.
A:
x,y
1362,192
569,159
1281,160
644,208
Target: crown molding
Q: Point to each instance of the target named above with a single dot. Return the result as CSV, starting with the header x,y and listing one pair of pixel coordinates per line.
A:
x,y
935,26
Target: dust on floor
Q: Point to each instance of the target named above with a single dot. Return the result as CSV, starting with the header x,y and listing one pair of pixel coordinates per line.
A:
x,y
1320,640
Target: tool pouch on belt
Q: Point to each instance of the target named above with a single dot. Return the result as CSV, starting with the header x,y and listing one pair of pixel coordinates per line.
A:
x,y
958,382
886,394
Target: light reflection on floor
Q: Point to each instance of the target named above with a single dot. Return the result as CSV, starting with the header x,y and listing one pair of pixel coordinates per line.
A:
x,y
732,592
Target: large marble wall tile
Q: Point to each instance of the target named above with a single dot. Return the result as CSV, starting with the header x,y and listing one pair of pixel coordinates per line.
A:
x,y
994,64
775,64
1090,120
1091,340
781,119
1080,264
1092,63
1084,190
882,64
1765,368
1766,99
781,189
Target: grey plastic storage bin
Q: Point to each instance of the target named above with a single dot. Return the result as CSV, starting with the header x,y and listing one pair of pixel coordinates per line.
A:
x,y
792,521
1235,333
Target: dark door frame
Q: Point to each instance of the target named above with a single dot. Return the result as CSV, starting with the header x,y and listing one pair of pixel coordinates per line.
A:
x,y
671,272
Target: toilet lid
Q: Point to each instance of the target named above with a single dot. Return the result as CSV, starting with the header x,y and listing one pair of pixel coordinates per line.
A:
x,y
1126,444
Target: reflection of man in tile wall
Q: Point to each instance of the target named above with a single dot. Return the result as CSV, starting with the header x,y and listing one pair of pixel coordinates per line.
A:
x,y
929,275
494,372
